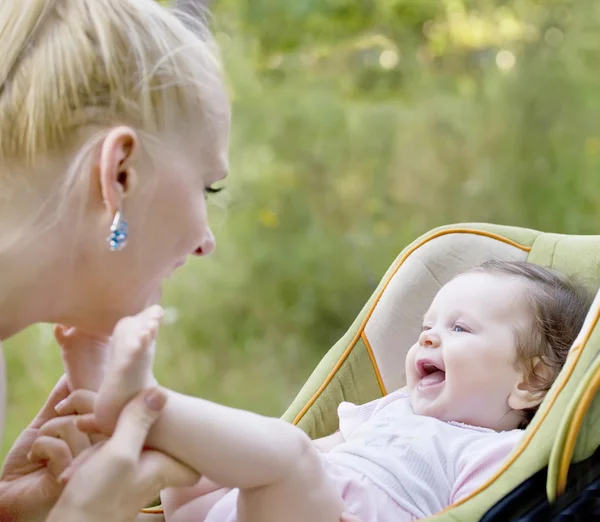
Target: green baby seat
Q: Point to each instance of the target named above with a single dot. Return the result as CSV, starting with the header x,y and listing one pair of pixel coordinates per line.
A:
x,y
368,361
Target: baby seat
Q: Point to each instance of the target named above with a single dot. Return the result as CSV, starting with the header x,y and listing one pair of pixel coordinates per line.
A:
x,y
368,361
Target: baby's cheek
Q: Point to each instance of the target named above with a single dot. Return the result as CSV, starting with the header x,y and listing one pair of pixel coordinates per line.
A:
x,y
463,377
410,369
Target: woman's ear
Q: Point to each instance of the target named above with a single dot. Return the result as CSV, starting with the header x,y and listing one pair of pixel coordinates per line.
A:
x,y
524,394
115,173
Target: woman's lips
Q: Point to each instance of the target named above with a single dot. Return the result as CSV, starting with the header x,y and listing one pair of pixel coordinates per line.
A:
x,y
177,265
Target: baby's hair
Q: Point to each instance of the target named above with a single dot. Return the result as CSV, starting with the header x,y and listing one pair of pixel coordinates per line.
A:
x,y
559,306
68,65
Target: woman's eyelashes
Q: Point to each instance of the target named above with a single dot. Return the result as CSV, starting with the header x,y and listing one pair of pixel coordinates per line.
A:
x,y
209,191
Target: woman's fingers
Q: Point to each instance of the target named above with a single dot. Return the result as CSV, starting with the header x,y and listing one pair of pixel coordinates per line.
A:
x,y
87,424
78,403
65,428
48,411
124,448
79,461
135,422
118,476
55,452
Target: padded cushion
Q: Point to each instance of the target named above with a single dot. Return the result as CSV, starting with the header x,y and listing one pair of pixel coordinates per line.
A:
x,y
368,361
578,435
392,329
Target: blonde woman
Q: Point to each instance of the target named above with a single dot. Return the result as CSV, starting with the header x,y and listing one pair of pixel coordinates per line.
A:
x,y
114,126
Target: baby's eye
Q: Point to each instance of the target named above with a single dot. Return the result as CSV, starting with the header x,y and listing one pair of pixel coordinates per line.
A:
x,y
459,328
426,327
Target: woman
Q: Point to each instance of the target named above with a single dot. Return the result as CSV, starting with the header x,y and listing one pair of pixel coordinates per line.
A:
x,y
114,127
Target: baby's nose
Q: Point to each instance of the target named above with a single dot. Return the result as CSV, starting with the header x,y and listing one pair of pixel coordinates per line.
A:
x,y
429,339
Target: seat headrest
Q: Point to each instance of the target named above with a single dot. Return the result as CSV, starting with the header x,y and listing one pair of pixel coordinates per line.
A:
x,y
395,320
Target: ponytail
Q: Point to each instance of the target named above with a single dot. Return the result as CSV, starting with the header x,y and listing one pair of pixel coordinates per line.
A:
x,y
19,25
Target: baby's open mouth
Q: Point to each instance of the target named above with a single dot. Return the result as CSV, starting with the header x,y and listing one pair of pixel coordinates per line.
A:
x,y
430,373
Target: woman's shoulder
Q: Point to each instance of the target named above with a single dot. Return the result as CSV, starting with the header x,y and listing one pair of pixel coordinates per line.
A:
x,y
2,390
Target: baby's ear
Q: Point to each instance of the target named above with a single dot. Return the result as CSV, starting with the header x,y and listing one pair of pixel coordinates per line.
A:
x,y
525,394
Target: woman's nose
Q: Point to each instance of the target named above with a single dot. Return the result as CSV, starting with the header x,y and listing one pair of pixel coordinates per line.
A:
x,y
207,245
429,339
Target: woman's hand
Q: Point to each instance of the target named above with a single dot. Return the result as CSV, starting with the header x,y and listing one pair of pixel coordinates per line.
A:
x,y
28,489
112,481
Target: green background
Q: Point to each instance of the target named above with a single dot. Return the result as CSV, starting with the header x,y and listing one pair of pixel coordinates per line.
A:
x,y
358,125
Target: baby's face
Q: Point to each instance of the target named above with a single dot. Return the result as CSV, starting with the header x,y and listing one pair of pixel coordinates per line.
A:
x,y
462,366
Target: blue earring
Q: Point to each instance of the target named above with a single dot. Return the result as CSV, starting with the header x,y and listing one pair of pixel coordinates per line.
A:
x,y
118,233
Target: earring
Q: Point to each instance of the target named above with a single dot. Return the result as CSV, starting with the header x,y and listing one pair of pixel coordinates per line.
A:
x,y
118,232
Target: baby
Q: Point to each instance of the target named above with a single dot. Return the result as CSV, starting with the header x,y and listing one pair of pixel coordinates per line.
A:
x,y
493,341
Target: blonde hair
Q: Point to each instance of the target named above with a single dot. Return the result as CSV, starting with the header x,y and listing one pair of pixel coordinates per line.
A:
x,y
69,64
71,69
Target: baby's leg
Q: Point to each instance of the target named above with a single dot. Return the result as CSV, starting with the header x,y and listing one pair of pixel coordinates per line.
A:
x,y
194,508
131,355
84,357
274,463
304,493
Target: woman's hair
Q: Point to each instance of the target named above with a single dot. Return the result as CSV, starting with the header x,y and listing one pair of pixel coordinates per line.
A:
x,y
559,306
72,69
70,64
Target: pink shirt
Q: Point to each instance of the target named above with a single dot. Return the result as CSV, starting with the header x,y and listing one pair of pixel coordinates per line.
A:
x,y
421,463
396,466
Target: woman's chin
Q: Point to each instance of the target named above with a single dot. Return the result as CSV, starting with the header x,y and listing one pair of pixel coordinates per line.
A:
x,y
155,297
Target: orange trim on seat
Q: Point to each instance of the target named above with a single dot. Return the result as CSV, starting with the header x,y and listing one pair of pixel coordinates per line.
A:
x,y
153,511
374,363
358,334
574,429
575,354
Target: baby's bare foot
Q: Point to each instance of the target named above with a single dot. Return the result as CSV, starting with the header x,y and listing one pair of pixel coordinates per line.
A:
x,y
84,357
130,365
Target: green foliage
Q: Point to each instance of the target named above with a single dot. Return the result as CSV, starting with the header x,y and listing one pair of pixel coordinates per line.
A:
x,y
359,125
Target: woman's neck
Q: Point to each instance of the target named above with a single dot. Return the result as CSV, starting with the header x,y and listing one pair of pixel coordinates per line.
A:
x,y
30,284
36,278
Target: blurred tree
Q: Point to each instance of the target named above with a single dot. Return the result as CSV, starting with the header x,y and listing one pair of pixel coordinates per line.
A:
x,y
357,126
